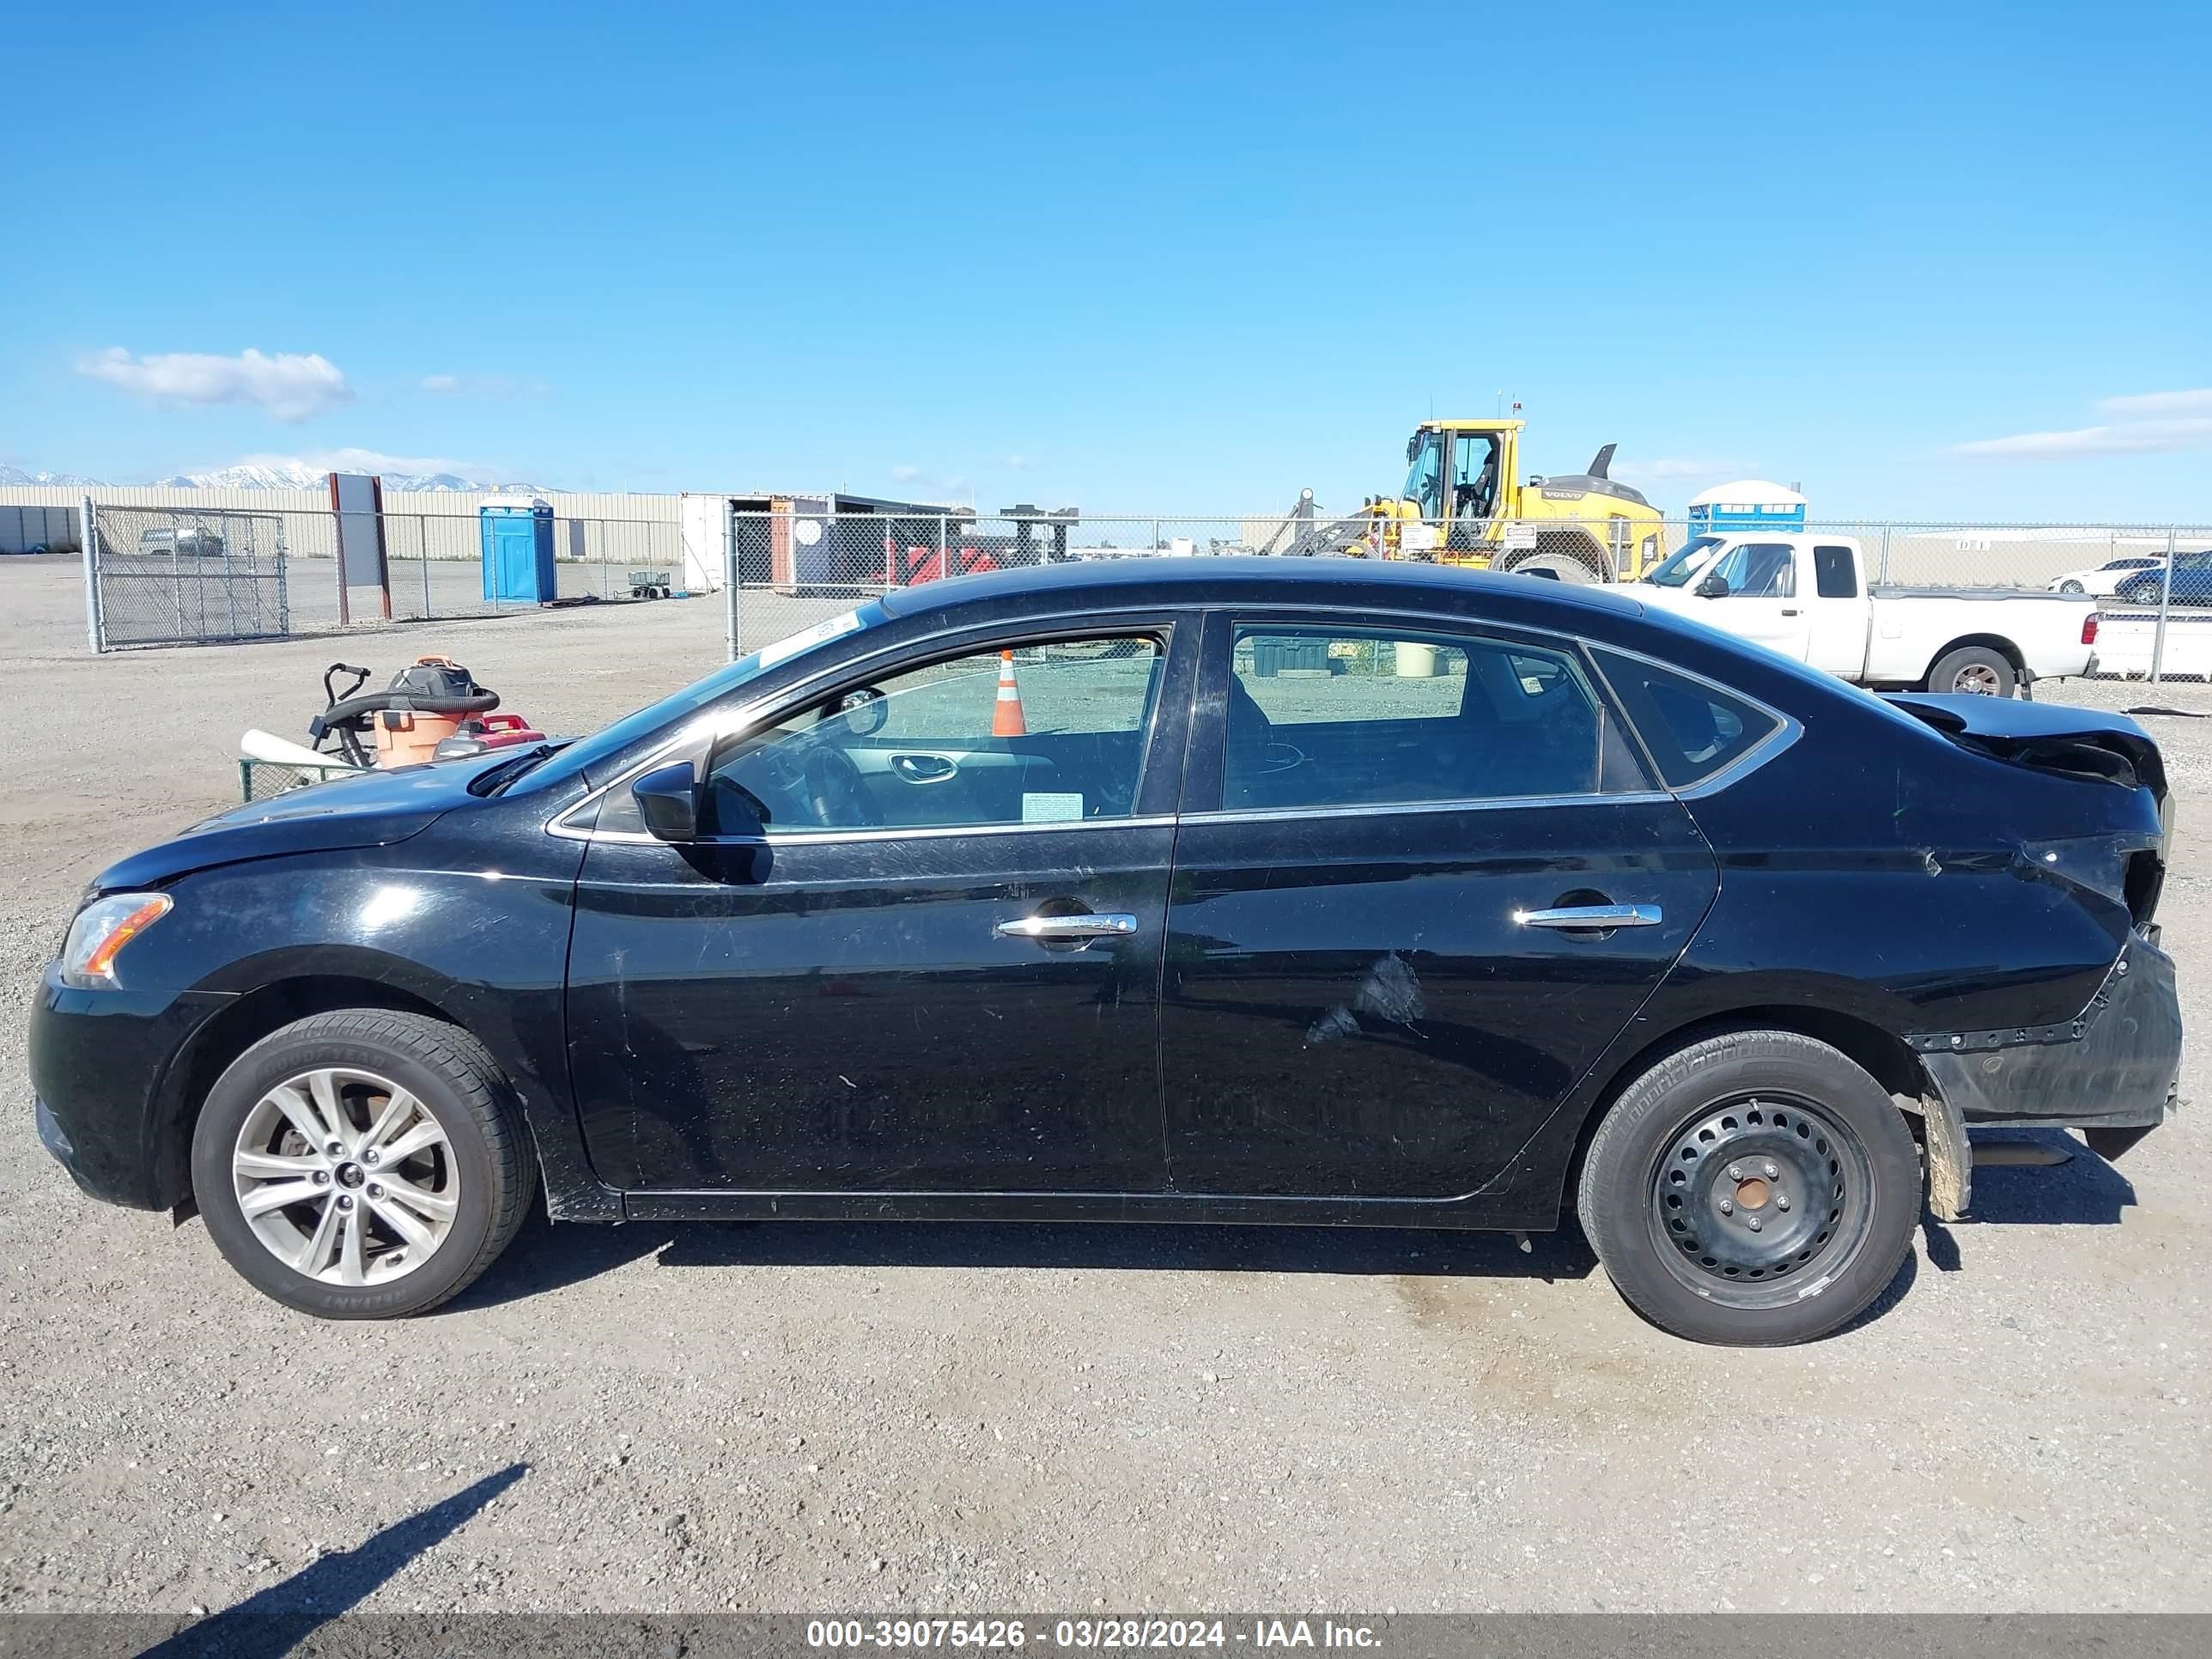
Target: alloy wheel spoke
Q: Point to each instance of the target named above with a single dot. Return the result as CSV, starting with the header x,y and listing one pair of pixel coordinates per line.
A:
x,y
292,1100
272,1166
395,1113
403,1221
353,1267
276,1195
425,1133
324,1085
315,1255
422,1199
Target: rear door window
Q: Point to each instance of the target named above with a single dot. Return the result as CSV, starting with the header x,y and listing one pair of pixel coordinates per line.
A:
x,y
1834,576
1693,729
1323,717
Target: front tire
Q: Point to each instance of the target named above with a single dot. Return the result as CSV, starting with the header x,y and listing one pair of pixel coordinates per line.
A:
x,y
1755,1189
1976,669
361,1164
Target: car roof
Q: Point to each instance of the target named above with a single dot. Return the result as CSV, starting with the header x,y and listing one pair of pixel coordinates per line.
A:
x,y
1147,579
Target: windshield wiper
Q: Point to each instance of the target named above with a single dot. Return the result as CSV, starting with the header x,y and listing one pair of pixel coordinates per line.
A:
x,y
493,779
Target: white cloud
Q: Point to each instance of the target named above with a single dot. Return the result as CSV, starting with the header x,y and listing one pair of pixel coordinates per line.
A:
x,y
2121,438
2146,423
289,385
2154,404
904,474
480,386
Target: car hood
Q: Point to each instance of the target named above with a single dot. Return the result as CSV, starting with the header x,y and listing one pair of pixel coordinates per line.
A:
x,y
1681,601
372,810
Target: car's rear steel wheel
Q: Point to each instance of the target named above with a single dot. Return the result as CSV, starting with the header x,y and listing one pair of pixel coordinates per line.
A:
x,y
1753,1188
345,1177
1755,1196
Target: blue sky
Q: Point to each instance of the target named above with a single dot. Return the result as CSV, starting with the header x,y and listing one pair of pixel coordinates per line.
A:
x,y
1159,257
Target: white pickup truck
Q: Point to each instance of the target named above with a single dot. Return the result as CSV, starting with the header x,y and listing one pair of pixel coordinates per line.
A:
x,y
1807,597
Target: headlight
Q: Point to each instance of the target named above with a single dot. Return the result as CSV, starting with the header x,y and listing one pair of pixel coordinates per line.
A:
x,y
101,929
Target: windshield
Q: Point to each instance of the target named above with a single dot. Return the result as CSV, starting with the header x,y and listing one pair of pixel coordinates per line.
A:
x,y
580,756
1424,480
1693,557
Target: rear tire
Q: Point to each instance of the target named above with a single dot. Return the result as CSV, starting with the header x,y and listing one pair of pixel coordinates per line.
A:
x,y
419,1177
1976,669
1755,1189
2071,587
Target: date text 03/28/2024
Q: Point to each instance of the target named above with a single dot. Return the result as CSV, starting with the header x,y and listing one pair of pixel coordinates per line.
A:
x,y
1087,1634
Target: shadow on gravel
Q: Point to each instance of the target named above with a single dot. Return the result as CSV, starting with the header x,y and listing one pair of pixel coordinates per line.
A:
x,y
2084,1192
2087,1192
544,1256
277,1618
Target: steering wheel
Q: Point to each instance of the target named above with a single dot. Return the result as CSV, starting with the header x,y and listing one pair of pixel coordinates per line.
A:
x,y
834,790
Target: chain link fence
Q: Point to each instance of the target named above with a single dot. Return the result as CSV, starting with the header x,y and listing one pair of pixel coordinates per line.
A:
x,y
180,575
161,576
167,575
792,569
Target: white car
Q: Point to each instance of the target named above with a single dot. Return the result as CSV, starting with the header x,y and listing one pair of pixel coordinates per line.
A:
x,y
1808,598
2100,582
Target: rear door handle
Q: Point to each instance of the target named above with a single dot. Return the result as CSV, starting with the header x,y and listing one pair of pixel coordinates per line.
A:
x,y
1085,928
1591,916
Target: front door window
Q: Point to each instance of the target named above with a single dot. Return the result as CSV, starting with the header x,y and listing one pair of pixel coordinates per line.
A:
x,y
1043,731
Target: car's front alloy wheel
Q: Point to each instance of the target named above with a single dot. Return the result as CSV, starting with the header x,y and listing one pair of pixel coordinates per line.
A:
x,y
363,1163
346,1178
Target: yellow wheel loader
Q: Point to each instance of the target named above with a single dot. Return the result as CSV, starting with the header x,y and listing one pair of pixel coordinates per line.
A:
x,y
1461,506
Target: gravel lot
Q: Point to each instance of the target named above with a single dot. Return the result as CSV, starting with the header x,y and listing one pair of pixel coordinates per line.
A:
x,y
976,1418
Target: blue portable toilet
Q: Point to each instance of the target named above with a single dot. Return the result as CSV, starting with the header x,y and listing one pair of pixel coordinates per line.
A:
x,y
1747,504
517,550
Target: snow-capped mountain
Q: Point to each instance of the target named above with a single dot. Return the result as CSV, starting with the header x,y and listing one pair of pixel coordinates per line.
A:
x,y
298,474
283,474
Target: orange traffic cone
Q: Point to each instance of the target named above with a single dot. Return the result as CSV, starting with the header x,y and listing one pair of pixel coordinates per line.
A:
x,y
1006,720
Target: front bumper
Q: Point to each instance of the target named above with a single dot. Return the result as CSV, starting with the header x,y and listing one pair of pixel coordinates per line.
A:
x,y
100,1064
2118,1065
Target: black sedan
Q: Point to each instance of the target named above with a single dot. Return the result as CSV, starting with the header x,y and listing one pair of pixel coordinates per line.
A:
x,y
1204,890
2192,581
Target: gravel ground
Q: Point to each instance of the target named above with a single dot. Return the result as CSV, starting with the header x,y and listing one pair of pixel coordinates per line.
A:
x,y
978,1418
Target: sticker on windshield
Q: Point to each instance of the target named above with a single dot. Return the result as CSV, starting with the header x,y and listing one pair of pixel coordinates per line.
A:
x,y
807,638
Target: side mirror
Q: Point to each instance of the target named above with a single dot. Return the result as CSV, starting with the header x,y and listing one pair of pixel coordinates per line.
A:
x,y
1714,586
668,802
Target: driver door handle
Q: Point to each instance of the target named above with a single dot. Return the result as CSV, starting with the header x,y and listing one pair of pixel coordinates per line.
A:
x,y
1067,928
1591,916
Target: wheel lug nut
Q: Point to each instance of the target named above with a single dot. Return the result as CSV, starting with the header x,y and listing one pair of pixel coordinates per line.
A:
x,y
345,1200
334,1149
1754,1223
1771,1170
375,1191
1727,1207
322,1177
1735,1172
1783,1202
369,1156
